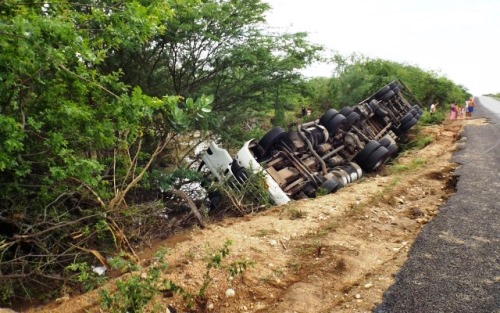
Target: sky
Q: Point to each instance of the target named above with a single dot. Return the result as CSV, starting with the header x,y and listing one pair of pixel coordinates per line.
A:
x,y
458,39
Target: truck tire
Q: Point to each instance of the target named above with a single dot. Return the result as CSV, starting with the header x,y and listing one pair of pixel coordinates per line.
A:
x,y
331,185
376,159
381,91
387,95
385,142
405,127
271,138
418,109
346,111
323,120
393,149
352,119
405,119
336,123
368,149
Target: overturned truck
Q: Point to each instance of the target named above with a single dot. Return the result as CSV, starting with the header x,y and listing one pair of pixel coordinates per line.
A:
x,y
327,153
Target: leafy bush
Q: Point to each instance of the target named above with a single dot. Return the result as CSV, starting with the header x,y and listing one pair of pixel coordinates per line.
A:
x,y
437,118
138,291
76,140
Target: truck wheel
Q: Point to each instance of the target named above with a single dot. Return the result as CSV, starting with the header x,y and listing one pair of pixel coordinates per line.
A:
x,y
393,85
405,119
376,159
335,124
331,185
323,120
385,142
369,148
352,119
387,95
271,138
406,126
393,149
383,90
346,111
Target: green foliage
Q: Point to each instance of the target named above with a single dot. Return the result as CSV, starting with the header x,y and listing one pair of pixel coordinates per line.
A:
x,y
123,264
413,165
6,292
221,48
136,292
357,77
215,261
85,276
418,142
242,198
76,138
293,213
165,180
132,294
436,118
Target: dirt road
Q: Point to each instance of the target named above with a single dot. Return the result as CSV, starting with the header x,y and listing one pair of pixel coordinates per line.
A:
x,y
336,253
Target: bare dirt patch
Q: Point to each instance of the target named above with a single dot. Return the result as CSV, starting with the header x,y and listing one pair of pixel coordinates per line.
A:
x,y
336,253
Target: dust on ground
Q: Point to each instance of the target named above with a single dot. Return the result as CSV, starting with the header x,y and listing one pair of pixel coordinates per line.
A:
x,y
336,253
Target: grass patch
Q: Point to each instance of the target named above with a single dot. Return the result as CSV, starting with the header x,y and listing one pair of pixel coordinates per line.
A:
x,y
293,213
418,142
294,265
357,208
414,164
327,228
264,232
308,249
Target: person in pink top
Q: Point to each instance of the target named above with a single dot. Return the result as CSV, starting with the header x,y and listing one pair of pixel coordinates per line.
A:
x,y
453,111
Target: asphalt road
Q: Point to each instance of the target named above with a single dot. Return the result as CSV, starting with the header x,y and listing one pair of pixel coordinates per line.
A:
x,y
454,265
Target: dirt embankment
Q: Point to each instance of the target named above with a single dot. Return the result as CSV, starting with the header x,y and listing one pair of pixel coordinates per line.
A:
x,y
336,253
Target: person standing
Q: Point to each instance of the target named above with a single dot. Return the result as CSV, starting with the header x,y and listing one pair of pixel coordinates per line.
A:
x,y
453,111
471,107
461,113
433,108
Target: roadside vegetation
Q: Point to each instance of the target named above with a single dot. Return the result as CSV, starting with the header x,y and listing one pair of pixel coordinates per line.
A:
x,y
103,103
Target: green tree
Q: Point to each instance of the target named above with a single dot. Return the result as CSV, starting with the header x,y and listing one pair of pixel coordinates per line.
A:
x,y
221,48
75,140
357,77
